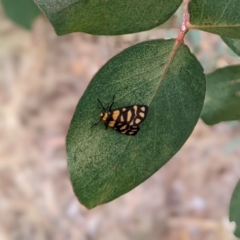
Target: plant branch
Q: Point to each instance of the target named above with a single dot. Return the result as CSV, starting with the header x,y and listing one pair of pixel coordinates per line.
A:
x,y
184,28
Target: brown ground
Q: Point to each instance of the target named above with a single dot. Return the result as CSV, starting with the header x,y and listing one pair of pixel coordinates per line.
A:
x,y
42,77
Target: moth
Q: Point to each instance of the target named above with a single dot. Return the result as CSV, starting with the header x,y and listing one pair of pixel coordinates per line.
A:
x,y
125,120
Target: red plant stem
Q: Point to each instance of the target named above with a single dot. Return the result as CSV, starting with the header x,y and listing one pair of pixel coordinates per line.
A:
x,y
185,24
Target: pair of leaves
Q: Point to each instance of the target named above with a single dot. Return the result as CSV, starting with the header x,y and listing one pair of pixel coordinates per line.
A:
x,y
118,17
22,12
105,164
122,17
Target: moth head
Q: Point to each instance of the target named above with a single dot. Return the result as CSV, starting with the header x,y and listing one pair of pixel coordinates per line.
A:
x,y
103,116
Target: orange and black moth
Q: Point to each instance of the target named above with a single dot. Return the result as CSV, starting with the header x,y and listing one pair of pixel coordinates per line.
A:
x,y
125,120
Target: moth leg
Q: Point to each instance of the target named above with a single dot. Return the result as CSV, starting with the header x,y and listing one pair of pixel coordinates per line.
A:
x,y
95,124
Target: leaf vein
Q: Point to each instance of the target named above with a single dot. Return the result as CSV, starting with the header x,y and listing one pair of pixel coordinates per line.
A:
x,y
224,10
134,75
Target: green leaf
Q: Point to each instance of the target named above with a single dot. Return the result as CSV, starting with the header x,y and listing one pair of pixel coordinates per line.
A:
x,y
215,16
234,44
222,101
22,12
104,164
234,210
107,17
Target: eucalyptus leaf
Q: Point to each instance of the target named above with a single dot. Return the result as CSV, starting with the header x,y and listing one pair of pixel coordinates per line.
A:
x,y
222,101
22,12
214,16
107,17
234,44
104,164
234,210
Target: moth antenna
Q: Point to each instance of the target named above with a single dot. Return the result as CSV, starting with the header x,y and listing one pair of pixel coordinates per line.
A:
x,y
110,107
102,105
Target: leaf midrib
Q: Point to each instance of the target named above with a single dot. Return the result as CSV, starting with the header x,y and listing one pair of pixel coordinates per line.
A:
x,y
165,70
191,26
66,6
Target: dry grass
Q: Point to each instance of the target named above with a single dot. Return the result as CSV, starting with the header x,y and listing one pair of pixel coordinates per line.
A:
x,y
42,77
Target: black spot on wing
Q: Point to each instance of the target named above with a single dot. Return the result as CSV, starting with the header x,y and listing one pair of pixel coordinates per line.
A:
x,y
142,112
133,130
128,130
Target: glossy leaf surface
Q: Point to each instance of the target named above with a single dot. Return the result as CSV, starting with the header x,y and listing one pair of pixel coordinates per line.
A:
x,y
104,164
234,210
234,44
221,17
22,12
107,17
222,102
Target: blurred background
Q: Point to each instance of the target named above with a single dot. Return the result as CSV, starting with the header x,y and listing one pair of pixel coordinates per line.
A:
x,y
42,77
